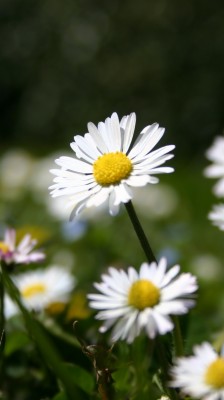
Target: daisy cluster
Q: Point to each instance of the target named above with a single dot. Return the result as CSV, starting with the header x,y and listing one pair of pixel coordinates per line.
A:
x,y
105,168
216,170
106,165
39,288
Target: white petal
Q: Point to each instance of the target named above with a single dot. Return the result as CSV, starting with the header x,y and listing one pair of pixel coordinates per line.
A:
x,y
74,165
129,131
150,138
137,181
100,143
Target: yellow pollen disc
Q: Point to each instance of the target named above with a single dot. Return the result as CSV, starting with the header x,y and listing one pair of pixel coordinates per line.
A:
x,y
111,168
143,294
214,375
32,290
4,248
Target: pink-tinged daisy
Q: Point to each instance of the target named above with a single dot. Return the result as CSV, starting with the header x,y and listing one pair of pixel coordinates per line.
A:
x,y
106,164
134,301
216,170
200,376
216,216
21,253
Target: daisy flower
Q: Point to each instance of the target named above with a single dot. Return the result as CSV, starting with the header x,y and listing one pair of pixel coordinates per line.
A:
x,y
216,170
134,301
200,375
21,253
106,164
217,216
44,287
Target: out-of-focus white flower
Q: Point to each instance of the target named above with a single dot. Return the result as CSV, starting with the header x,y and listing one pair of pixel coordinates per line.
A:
x,y
206,266
164,398
216,170
201,375
21,253
16,167
217,216
110,164
135,301
156,201
43,287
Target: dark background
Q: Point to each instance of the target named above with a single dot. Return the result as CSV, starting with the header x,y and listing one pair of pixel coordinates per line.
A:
x,y
64,63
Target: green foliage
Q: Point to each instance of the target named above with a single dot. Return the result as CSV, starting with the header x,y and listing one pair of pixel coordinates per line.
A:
x,y
15,341
46,347
81,378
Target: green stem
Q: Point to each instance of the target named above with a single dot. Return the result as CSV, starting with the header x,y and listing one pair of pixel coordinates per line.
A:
x,y
171,393
177,336
2,324
139,232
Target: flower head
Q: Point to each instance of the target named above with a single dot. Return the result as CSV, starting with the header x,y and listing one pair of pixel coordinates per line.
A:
x,y
200,375
44,287
216,170
135,301
106,164
217,216
21,253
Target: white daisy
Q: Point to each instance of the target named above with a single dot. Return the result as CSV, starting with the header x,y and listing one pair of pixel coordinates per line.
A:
x,y
200,375
217,216
110,165
21,253
43,287
216,170
135,301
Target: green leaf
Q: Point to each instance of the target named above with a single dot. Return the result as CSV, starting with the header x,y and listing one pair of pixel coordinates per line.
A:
x,y
47,349
81,377
56,330
60,396
15,341
122,378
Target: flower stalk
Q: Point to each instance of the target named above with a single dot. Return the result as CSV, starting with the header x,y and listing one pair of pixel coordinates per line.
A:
x,y
177,336
140,232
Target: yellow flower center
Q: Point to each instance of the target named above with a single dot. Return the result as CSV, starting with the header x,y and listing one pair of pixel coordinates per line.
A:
x,y
143,294
4,248
214,375
111,168
34,289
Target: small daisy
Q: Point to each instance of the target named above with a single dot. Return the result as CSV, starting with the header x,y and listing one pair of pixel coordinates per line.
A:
x,y
44,287
135,301
106,164
19,254
200,375
217,216
216,170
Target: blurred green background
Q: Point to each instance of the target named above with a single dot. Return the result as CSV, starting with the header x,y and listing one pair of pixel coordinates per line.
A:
x,y
64,63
